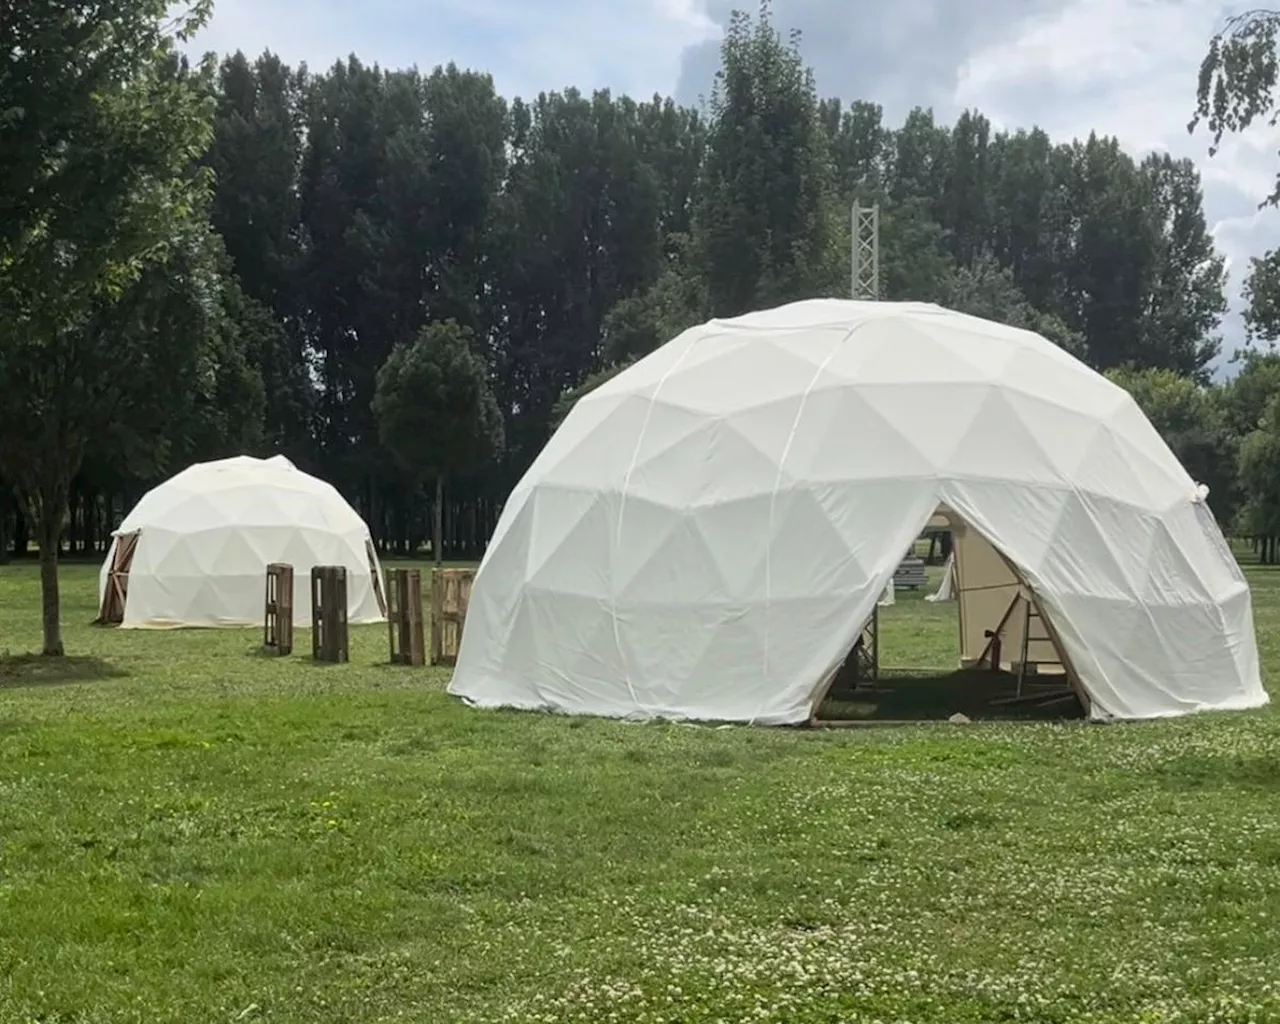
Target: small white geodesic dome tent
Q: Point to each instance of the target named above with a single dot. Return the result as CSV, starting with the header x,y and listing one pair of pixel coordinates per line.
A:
x,y
194,550
708,532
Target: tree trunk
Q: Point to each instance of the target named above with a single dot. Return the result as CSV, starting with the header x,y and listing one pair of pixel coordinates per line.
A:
x,y
6,518
45,508
437,531
48,519
51,605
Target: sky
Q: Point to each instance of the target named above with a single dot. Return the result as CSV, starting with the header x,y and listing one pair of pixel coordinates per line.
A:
x,y
1121,67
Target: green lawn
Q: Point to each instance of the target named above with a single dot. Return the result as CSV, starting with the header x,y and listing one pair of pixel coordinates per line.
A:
x,y
190,832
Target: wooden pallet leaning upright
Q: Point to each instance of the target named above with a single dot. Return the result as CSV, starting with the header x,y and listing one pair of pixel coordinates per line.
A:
x,y
277,622
450,595
404,617
329,613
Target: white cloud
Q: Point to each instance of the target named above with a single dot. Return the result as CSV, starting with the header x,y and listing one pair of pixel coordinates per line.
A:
x,y
1128,68
631,46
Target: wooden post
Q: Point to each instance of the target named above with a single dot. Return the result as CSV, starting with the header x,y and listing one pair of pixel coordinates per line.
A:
x,y
404,617
450,595
329,613
277,626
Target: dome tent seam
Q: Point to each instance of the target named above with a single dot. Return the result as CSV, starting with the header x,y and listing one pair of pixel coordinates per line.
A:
x,y
773,496
622,508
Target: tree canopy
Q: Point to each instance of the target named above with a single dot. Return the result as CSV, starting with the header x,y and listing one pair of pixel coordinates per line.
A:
x,y
201,261
435,411
100,129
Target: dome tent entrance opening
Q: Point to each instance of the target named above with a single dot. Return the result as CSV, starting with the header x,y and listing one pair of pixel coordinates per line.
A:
x,y
194,550
707,531
1002,626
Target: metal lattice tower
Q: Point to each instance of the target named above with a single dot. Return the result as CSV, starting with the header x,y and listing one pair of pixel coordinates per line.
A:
x,y
866,251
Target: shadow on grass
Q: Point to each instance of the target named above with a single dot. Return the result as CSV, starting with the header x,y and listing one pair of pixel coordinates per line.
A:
x,y
303,654
978,695
258,649
19,670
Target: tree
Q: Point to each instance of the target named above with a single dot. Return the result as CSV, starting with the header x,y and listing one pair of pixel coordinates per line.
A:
x,y
464,148
255,152
1260,483
913,251
577,229
987,290
100,128
1237,88
1194,423
1248,394
570,398
1187,283
360,216
1030,215
435,411
255,155
640,323
764,224
189,392
1111,258
1238,76
1262,300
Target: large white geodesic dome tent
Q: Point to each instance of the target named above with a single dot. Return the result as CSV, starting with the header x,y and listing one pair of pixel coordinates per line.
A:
x,y
194,550
708,532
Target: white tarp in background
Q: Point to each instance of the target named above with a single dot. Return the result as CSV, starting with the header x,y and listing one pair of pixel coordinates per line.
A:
x,y
946,589
207,534
706,533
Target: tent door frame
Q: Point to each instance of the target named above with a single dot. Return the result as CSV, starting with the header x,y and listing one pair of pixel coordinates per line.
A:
x,y
115,595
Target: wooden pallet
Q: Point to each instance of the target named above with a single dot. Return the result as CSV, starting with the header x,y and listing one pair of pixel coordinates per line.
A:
x,y
329,613
450,596
277,619
404,617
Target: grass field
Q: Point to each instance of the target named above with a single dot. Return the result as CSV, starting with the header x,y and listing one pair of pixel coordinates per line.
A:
x,y
190,832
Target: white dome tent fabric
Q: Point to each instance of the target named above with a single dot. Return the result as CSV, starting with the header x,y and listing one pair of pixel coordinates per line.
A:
x,y
708,531
194,550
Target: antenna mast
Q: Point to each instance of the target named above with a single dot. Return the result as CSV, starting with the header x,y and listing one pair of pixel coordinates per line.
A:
x,y
866,251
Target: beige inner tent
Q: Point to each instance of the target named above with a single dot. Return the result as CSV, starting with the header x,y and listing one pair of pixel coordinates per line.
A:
x,y
1002,624
992,598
